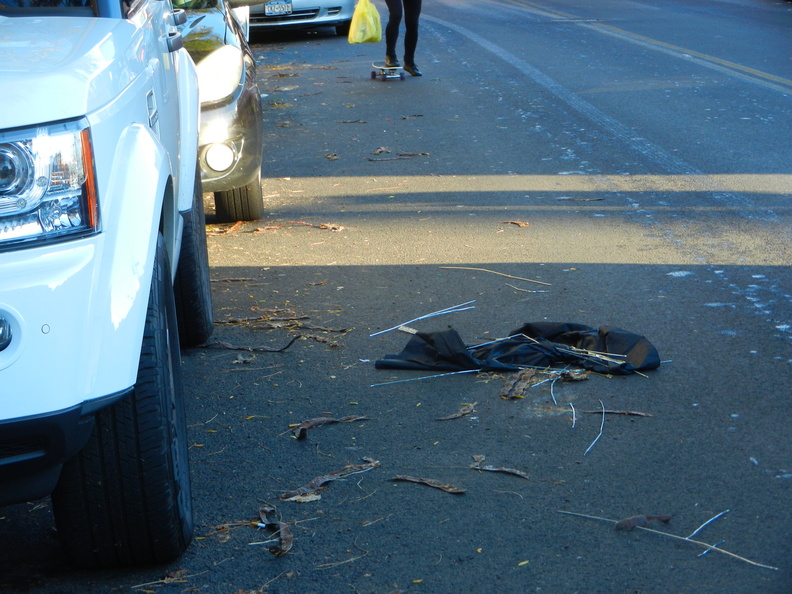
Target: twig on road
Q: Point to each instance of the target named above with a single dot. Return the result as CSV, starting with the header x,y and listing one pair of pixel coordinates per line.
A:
x,y
498,273
708,546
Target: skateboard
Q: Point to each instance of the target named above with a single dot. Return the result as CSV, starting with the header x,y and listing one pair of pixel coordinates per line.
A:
x,y
384,72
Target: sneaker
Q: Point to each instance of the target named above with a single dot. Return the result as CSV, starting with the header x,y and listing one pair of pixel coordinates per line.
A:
x,y
413,69
391,62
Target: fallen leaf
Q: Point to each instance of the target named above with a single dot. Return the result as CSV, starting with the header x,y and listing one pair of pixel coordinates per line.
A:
x,y
300,431
429,482
518,223
314,484
271,521
465,410
575,376
478,460
634,521
516,384
331,156
381,150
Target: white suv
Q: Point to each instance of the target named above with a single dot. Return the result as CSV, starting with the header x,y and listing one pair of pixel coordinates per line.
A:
x,y
103,266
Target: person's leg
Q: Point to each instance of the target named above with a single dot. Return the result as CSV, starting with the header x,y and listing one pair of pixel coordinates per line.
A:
x,y
412,13
392,30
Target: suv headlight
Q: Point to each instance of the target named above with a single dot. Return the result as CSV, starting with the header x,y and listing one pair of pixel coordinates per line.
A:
x,y
219,73
47,184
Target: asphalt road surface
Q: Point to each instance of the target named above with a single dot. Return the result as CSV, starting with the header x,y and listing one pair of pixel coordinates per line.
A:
x,y
625,163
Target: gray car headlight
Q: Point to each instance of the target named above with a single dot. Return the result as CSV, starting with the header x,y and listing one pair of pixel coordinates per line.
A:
x,y
47,185
220,73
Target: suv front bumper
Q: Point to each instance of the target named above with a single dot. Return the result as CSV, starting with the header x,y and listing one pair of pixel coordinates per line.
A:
x,y
32,450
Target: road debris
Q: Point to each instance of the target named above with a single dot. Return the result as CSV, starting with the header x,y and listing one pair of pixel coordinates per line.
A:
x,y
602,426
629,413
465,410
708,546
478,460
271,521
315,484
712,519
518,223
429,482
634,522
232,229
494,272
300,431
453,309
525,290
517,383
325,226
426,377
258,349
242,359
537,345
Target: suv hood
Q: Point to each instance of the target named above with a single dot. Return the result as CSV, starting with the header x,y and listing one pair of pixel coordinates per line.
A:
x,y
56,68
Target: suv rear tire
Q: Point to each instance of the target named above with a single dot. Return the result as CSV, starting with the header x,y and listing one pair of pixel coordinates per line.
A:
x,y
125,498
240,204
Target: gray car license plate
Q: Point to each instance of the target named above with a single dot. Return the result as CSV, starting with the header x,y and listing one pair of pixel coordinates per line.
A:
x,y
277,7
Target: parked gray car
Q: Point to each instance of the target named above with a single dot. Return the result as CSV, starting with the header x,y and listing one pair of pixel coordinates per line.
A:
x,y
231,136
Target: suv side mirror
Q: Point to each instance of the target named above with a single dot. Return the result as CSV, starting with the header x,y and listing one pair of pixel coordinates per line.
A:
x,y
179,17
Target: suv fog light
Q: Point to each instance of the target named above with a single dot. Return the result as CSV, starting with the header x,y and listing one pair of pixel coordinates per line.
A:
x,y
5,333
219,157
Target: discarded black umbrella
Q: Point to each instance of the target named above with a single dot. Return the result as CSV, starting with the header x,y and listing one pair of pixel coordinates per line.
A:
x,y
540,344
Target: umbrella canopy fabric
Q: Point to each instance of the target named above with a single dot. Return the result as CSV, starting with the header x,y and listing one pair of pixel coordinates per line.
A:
x,y
538,344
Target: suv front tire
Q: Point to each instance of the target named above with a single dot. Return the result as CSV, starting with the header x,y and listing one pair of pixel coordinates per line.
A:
x,y
125,498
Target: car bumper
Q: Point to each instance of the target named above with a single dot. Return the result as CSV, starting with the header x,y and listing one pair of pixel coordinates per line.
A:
x,y
232,130
32,450
301,18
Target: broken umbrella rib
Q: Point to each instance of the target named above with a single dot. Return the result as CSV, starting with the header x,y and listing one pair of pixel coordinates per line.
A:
x,y
453,309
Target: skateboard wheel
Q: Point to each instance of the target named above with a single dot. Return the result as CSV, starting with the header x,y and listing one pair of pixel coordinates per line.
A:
x,y
401,75
373,75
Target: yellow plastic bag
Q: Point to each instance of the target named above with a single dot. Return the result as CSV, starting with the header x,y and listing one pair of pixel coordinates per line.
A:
x,y
365,26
